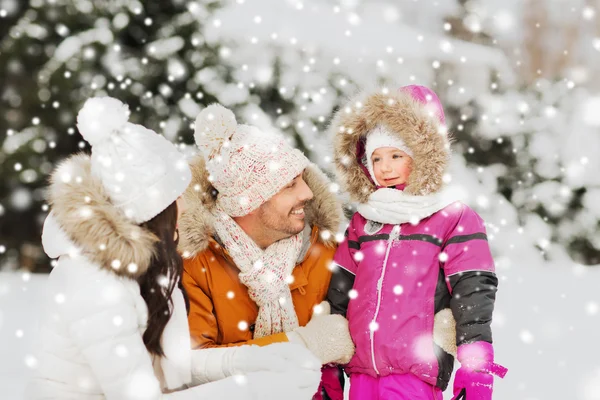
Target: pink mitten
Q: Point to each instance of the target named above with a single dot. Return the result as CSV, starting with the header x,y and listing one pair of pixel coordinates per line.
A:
x,y
330,382
474,379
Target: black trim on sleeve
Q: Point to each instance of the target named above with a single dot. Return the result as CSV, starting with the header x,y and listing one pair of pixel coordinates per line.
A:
x,y
442,294
472,304
353,245
371,238
423,238
445,366
340,285
466,238
445,360
418,236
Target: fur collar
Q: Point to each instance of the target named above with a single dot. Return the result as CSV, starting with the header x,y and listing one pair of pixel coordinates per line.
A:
x,y
196,224
403,116
100,231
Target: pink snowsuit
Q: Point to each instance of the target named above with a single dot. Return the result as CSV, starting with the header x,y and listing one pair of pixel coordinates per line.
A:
x,y
403,275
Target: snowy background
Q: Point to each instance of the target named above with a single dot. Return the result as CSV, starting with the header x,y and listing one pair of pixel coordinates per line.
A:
x,y
517,77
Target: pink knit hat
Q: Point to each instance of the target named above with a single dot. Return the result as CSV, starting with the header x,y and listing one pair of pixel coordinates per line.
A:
x,y
428,99
246,166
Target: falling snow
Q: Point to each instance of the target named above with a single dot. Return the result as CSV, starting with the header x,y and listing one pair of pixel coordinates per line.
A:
x,y
525,155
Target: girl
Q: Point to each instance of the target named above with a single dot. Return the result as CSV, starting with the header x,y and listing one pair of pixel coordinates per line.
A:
x,y
116,325
410,256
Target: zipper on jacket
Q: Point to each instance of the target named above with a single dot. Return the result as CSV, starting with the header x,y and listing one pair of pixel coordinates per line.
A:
x,y
393,236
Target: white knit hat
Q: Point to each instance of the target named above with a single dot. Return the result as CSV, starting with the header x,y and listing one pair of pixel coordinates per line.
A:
x,y
246,166
381,137
142,172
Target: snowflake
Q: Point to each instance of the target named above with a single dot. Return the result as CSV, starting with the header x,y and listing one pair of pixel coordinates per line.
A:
x,y
592,308
526,336
373,326
59,298
359,256
31,361
121,351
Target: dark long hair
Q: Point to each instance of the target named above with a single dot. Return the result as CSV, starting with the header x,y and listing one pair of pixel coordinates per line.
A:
x,y
159,281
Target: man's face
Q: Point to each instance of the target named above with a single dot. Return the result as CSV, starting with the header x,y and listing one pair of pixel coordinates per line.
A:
x,y
283,215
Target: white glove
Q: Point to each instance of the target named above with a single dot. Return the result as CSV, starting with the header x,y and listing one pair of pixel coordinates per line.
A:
x,y
298,384
209,365
327,336
277,357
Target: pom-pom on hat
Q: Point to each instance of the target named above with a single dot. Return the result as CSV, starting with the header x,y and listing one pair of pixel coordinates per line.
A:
x,y
142,172
246,166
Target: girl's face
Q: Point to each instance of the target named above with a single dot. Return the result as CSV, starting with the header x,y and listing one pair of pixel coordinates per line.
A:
x,y
391,166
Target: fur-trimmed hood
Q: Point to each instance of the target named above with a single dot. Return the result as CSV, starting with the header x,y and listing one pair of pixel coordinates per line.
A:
x,y
196,224
403,115
84,221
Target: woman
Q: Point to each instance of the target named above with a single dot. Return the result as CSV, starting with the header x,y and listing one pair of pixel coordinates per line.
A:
x,y
115,324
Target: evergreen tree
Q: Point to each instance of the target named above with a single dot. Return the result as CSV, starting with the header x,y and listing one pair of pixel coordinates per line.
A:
x,y
53,56
529,130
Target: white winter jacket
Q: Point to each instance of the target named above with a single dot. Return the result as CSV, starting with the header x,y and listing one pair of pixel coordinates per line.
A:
x,y
91,344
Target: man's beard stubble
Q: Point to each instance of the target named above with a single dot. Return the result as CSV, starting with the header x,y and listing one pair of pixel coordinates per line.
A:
x,y
277,224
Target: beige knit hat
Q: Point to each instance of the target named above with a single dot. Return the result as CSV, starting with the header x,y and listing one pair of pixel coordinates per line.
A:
x,y
246,166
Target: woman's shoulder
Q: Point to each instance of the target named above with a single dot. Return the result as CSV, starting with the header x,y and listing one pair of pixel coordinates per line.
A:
x,y
79,269
78,285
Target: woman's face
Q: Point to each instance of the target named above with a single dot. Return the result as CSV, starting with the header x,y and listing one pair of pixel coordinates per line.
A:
x,y
391,166
180,207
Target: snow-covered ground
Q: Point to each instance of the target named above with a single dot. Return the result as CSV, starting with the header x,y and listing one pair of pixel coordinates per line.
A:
x,y
545,331
20,304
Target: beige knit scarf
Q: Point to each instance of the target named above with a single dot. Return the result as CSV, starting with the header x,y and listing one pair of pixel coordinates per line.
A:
x,y
264,272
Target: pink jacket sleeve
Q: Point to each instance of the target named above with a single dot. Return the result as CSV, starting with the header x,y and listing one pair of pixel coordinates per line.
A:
x,y
470,275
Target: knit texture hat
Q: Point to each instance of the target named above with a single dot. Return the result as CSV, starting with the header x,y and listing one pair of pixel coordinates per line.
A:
x,y
246,166
141,171
381,137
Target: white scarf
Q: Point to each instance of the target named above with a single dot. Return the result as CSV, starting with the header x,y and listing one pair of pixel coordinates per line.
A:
x,y
393,206
264,272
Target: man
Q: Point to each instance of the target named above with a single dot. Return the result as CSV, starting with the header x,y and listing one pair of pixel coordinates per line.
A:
x,y
258,237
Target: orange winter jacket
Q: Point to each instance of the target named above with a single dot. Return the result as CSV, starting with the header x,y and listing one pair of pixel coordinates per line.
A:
x,y
221,311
